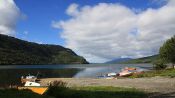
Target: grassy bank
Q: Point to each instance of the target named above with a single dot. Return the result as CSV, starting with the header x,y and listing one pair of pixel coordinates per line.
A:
x,y
76,92
153,73
14,93
95,92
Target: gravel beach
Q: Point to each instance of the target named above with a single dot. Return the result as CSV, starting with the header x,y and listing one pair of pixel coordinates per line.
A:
x,y
156,84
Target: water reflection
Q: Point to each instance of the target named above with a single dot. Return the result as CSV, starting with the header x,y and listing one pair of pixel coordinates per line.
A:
x,y
93,72
11,74
89,73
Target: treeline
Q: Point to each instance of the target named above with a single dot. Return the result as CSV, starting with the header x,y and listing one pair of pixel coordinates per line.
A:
x,y
16,51
166,54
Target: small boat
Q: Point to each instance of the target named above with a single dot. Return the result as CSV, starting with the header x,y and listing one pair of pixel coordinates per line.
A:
x,y
125,73
40,90
33,86
108,76
130,68
28,78
105,77
112,74
28,83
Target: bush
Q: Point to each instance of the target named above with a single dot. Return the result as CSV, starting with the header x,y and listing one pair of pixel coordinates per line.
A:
x,y
56,88
159,64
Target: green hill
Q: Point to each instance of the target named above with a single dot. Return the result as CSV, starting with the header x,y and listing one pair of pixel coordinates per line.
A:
x,y
15,51
149,59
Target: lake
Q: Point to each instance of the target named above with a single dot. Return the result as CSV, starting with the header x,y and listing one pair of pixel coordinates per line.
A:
x,y
12,73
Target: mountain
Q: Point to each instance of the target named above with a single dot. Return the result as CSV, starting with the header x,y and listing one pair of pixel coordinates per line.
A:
x,y
118,60
14,51
148,59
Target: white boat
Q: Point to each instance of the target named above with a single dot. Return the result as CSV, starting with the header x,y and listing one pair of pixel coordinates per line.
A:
x,y
110,78
32,85
28,83
106,77
28,78
112,74
35,87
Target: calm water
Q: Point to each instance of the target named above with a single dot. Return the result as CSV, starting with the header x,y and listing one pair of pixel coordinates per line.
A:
x,y
10,74
82,70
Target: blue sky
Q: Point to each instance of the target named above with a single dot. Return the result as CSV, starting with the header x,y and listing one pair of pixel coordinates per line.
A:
x,y
40,13
99,30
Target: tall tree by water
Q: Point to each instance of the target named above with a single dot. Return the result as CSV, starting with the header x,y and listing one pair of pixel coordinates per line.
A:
x,y
167,51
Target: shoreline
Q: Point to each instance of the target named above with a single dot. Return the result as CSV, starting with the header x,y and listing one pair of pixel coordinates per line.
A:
x,y
153,84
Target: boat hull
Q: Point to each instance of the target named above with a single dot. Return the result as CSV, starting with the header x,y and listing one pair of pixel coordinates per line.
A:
x,y
39,90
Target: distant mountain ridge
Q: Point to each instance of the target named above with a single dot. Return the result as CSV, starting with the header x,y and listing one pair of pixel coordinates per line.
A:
x,y
118,60
149,59
17,51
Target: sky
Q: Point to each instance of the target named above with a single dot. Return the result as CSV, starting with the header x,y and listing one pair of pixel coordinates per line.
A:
x,y
99,30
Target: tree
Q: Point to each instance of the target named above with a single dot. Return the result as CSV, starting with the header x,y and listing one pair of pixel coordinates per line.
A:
x,y
159,64
167,51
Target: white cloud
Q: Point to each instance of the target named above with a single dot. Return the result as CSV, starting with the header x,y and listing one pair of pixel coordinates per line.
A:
x,y
9,14
107,31
73,10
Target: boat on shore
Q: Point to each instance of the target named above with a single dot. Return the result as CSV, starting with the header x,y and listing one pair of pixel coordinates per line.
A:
x,y
31,84
125,72
128,71
112,74
28,83
106,77
30,78
37,89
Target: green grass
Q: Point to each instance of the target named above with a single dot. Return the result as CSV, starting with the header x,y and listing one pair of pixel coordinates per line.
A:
x,y
76,92
14,93
95,92
164,73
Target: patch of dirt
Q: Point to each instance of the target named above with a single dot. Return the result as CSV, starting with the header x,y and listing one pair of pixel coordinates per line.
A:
x,y
158,87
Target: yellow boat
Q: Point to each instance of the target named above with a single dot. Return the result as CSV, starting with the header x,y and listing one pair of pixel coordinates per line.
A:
x,y
40,90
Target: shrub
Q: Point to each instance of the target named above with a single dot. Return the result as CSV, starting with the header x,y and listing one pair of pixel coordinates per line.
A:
x,y
57,89
58,84
159,64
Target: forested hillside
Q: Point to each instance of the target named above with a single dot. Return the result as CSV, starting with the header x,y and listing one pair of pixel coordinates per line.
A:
x,y
149,59
16,51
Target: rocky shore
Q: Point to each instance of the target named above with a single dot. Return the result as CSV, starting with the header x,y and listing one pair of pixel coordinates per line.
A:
x,y
155,84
